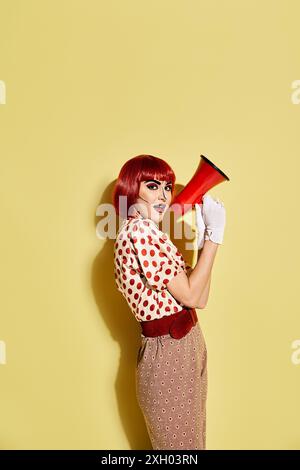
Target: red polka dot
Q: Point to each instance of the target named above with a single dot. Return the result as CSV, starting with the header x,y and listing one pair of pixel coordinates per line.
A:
x,y
145,303
156,278
149,292
146,263
148,317
139,285
168,271
131,282
152,253
132,271
148,274
152,307
144,252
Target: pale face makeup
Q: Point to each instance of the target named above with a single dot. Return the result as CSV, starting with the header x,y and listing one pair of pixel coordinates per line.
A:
x,y
154,199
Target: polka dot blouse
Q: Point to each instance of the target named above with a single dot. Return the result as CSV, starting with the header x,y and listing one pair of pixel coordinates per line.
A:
x,y
145,260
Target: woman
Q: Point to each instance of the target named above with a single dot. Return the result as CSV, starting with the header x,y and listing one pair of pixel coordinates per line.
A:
x,y
150,272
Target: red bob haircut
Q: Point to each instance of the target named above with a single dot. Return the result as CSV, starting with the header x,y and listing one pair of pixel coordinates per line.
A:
x,y
135,170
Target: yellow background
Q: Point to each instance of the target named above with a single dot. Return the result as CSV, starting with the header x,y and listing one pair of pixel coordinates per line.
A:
x,y
89,85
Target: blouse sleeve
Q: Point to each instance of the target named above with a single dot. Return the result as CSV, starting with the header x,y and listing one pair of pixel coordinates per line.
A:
x,y
158,261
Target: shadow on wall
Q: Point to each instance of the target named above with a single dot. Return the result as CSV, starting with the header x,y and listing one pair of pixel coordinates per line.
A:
x,y
124,329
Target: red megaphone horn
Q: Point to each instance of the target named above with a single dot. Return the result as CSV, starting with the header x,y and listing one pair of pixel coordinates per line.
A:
x,y
206,177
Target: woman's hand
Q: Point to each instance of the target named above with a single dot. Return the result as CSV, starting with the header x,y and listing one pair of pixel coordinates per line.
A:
x,y
214,217
200,226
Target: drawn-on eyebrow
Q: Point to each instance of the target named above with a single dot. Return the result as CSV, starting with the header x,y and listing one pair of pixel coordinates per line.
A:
x,y
157,182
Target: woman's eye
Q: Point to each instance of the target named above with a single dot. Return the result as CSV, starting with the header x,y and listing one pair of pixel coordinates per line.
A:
x,y
151,186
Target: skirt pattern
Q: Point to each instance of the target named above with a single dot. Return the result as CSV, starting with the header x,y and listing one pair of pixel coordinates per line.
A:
x,y
171,388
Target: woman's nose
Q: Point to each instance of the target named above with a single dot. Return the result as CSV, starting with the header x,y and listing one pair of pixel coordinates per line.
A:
x,y
163,194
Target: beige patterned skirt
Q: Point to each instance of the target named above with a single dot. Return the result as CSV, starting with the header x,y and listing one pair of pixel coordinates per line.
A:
x,y
171,387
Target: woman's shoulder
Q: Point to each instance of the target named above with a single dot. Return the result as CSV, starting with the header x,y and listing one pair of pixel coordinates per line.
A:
x,y
148,227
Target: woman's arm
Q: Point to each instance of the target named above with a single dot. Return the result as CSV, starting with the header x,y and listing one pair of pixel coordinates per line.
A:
x,y
193,290
204,297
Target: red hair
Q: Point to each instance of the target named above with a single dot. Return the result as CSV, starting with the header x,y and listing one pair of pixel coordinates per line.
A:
x,y
135,170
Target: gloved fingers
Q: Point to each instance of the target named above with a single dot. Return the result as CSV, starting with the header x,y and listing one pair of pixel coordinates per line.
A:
x,y
208,199
199,209
199,218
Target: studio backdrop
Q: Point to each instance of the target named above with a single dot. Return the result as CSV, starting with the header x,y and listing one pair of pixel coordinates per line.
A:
x,y
85,86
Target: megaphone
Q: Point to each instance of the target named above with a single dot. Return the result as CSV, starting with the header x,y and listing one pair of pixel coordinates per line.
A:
x,y
206,177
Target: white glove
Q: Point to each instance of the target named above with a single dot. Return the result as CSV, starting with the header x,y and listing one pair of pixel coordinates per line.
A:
x,y
200,225
214,216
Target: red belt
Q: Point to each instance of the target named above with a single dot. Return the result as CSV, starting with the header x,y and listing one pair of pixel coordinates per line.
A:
x,y
177,325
